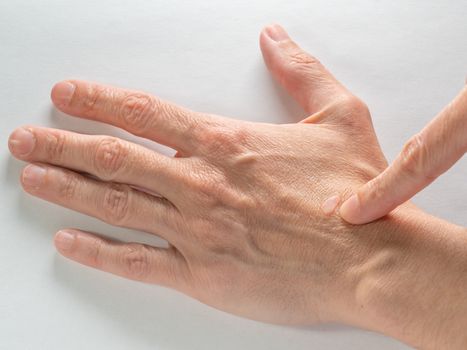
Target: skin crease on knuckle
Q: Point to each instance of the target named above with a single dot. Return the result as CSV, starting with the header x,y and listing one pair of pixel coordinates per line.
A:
x,y
136,111
136,261
90,98
93,253
110,155
54,145
413,157
224,139
116,204
67,187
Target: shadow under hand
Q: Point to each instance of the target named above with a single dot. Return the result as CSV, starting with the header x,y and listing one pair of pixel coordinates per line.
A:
x,y
154,315
158,316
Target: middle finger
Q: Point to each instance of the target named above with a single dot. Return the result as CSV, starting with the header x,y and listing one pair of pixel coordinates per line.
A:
x,y
106,157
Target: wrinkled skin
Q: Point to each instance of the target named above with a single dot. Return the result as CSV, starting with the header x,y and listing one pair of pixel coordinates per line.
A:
x,y
240,204
257,228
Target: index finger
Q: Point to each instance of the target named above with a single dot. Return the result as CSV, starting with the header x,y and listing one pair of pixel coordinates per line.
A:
x,y
424,157
137,112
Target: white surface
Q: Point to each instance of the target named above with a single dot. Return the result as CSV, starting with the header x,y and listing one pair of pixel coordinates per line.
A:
x,y
405,58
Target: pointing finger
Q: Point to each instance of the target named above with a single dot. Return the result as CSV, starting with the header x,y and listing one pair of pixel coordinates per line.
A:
x,y
424,157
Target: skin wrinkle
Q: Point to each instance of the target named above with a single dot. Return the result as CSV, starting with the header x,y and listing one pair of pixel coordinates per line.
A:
x,y
241,209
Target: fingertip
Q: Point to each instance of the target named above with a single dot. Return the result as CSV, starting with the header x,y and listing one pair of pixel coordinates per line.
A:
x,y
267,47
64,240
351,211
21,141
271,36
33,177
263,39
275,32
62,93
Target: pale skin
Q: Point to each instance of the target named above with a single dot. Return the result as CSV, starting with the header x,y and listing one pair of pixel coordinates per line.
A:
x,y
242,207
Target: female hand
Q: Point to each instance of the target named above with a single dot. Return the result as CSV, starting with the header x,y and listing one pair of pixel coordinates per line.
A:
x,y
424,157
240,204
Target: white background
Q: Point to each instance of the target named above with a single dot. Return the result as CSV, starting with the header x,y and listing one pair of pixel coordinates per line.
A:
x,y
406,59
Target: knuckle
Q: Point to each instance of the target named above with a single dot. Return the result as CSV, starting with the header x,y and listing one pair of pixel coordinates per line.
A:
x,y
301,58
136,260
214,237
95,253
92,97
230,140
137,110
68,186
214,189
375,189
356,106
413,157
55,145
110,157
352,113
116,204
210,187
302,64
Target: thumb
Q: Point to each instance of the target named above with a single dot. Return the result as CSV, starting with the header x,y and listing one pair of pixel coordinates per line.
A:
x,y
301,74
424,157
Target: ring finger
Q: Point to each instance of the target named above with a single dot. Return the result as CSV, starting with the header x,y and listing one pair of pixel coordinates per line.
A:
x,y
116,204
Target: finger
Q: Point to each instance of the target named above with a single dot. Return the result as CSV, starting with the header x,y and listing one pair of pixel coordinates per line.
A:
x,y
425,157
139,113
130,260
108,158
115,204
301,74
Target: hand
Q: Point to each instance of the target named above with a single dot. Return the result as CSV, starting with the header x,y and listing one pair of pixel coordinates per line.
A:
x,y
239,204
424,157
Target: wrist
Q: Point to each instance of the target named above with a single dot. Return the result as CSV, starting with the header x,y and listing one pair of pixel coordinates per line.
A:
x,y
412,285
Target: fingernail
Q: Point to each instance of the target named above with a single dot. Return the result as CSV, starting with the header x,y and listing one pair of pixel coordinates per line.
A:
x,y
64,239
350,209
276,32
63,92
21,142
330,205
33,176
